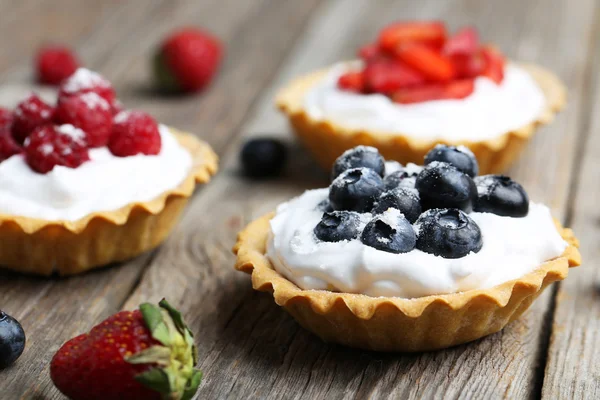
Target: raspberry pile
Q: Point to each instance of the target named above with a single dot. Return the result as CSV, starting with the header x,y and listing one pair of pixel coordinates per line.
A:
x,y
87,115
413,62
425,208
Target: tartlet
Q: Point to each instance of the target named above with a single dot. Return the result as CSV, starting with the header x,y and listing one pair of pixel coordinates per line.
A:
x,y
327,138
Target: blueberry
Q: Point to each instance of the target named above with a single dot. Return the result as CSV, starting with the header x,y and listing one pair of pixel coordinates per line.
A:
x,y
336,226
441,185
501,195
404,200
449,233
263,157
389,232
359,157
355,190
461,157
12,340
401,178
324,206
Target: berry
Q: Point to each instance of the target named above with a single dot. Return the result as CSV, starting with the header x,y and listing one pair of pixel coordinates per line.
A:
x,y
143,354
324,206
370,52
428,33
461,157
403,199
359,157
352,81
336,226
88,112
388,76
465,41
457,89
427,61
441,185
49,146
54,64
449,233
6,117
390,232
494,64
29,114
134,132
263,157
8,146
501,195
356,190
12,340
85,81
187,60
400,178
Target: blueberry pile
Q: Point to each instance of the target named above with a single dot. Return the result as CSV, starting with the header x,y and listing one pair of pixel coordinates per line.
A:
x,y
407,209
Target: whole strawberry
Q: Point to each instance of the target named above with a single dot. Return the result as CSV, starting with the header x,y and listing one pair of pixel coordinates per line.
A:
x,y
187,60
143,354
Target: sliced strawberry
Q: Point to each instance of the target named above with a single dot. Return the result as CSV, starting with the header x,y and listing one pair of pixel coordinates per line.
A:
x,y
494,64
427,61
352,81
458,89
465,41
389,76
468,65
369,52
429,33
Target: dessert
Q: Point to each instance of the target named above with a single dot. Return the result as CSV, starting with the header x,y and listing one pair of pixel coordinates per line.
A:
x,y
418,86
83,184
407,258
12,340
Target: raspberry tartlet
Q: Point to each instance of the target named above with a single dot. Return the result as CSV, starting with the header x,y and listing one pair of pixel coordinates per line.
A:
x,y
83,184
418,86
407,258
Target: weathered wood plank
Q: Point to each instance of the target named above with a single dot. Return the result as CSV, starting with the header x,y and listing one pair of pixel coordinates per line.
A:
x,y
52,310
572,370
248,346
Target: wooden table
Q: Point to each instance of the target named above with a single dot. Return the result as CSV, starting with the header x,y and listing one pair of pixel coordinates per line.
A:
x,y
249,347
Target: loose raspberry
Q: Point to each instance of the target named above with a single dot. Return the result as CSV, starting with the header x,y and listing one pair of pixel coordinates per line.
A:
x,y
29,114
89,112
55,64
8,146
50,145
187,60
84,81
134,132
6,117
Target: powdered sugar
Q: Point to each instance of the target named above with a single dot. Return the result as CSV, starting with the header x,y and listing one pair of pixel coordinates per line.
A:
x,y
83,79
121,117
74,133
94,101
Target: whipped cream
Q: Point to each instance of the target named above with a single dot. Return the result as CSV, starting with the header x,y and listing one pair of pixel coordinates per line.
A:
x,y
512,247
491,110
104,183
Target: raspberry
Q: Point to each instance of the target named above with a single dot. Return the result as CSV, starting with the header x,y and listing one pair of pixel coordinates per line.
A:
x,y
8,146
89,112
6,117
187,60
54,64
83,81
29,114
50,145
134,132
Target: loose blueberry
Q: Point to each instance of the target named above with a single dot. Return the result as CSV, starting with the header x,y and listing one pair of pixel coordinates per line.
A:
x,y
12,340
336,226
441,185
401,178
389,232
356,190
449,233
461,157
263,157
501,195
359,157
404,200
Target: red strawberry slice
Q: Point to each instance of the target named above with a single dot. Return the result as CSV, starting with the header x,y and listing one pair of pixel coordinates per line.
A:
x,y
465,41
389,76
458,89
352,81
494,64
468,65
370,52
429,33
427,61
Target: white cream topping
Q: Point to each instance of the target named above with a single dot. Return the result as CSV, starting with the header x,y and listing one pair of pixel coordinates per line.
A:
x,y
491,110
104,183
512,247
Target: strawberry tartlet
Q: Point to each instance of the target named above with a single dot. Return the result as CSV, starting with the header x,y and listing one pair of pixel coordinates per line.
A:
x,y
84,184
418,86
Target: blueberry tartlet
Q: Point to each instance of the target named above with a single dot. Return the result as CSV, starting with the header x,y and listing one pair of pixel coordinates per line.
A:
x,y
417,86
84,183
395,257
